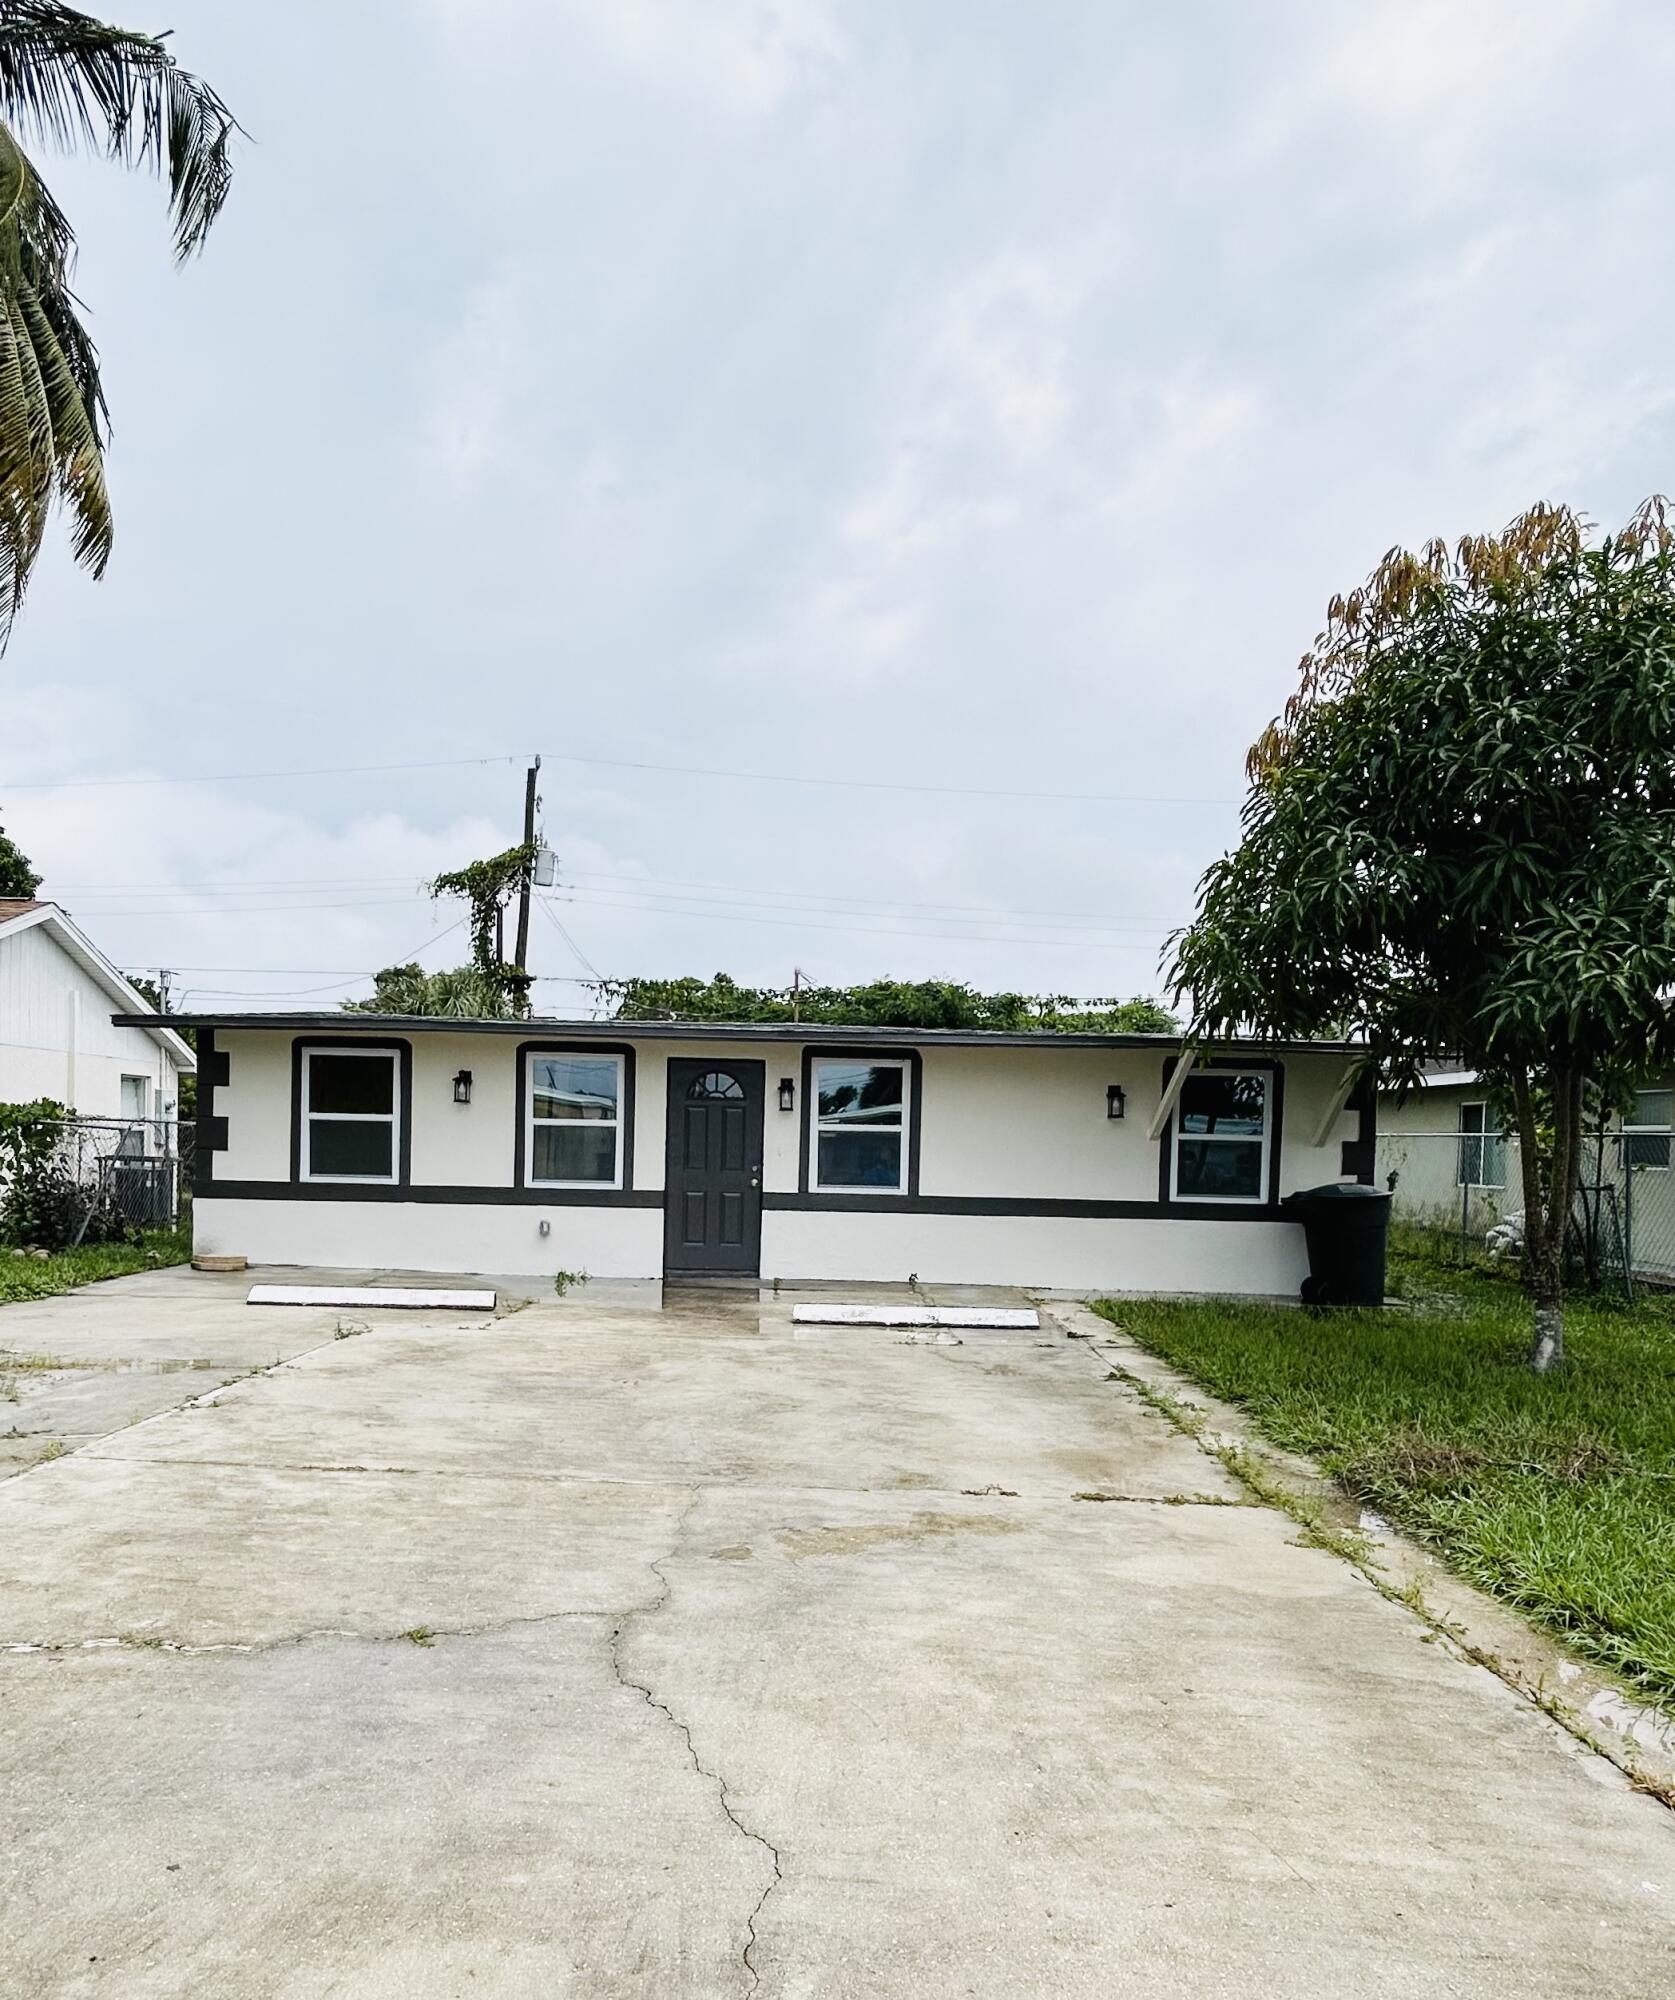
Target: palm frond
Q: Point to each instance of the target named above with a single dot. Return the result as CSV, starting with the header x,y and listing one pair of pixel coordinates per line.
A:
x,y
52,408
70,78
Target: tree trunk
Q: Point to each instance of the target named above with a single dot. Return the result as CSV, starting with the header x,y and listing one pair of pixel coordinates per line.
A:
x,y
1545,1253
1546,1207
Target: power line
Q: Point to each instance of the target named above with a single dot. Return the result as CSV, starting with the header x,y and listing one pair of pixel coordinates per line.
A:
x,y
858,930
257,885
246,777
260,909
894,785
654,884
627,764
666,888
350,979
576,951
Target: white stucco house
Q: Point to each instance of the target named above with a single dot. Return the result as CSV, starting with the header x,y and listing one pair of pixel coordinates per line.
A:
x,y
673,1150
57,1035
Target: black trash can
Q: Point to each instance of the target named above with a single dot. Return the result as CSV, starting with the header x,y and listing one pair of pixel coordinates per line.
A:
x,y
1347,1229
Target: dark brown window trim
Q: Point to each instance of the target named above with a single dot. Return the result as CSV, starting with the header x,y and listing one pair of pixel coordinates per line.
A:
x,y
860,1052
404,1098
1220,1210
589,1197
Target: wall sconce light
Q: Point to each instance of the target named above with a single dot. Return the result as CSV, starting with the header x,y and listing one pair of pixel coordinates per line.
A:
x,y
1114,1100
787,1094
462,1086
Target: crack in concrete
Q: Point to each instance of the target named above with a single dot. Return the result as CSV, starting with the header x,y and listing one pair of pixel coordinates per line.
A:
x,y
146,1642
714,1777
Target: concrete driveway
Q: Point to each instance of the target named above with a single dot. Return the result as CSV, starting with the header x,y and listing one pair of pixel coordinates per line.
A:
x,y
608,1651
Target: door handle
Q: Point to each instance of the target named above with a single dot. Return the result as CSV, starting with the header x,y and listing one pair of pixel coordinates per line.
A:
x,y
756,1179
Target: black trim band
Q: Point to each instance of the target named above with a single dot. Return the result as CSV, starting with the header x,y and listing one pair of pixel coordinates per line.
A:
x,y
464,1197
1360,1154
624,1120
210,1134
805,1204
863,1203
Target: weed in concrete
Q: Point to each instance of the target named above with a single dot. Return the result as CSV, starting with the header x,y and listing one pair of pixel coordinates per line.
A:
x,y
347,1329
53,1448
984,1492
419,1635
564,1281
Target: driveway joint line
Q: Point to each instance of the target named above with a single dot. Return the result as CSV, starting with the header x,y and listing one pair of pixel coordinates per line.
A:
x,y
392,1471
1249,1460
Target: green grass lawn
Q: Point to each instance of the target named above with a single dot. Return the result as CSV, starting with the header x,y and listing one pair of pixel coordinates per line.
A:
x,y
41,1277
1556,1493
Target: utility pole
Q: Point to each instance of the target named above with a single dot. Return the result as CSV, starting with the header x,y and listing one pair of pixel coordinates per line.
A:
x,y
797,978
522,959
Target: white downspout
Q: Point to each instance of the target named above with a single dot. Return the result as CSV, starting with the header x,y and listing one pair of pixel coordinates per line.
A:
x,y
72,1044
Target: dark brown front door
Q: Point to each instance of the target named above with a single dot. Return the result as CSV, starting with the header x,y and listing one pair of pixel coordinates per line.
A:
x,y
712,1217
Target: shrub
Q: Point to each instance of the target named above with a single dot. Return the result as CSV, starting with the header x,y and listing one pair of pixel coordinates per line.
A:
x,y
42,1199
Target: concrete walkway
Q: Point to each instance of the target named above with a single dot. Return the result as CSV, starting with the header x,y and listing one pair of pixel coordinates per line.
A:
x,y
600,1650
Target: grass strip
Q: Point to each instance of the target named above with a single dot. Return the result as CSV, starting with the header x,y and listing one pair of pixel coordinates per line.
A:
x,y
45,1277
1555,1494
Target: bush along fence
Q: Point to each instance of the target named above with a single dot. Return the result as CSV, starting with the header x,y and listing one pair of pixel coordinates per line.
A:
x,y
66,1180
1462,1192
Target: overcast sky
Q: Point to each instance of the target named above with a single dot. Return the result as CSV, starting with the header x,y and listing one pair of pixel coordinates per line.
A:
x,y
978,400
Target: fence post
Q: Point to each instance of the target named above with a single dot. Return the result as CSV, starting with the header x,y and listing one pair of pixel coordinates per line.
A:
x,y
1627,1165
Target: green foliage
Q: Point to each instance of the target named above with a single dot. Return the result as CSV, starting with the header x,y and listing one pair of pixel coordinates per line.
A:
x,y
67,79
488,886
17,878
43,1201
44,1277
1460,838
1553,1493
40,1201
1461,841
884,1003
463,994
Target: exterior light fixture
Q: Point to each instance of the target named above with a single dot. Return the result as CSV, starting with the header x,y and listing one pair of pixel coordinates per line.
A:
x,y
1114,1100
462,1086
787,1094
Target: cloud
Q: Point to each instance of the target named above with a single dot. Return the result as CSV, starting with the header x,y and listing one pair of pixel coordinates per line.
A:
x,y
738,58
905,395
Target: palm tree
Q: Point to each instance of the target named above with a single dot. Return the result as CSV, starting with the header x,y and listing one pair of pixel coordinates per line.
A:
x,y
67,79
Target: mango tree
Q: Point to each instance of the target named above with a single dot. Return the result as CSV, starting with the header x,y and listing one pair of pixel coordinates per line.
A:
x,y
1459,839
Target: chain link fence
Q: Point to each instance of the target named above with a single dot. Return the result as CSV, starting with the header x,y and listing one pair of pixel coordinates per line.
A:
x,y
113,1176
1462,1194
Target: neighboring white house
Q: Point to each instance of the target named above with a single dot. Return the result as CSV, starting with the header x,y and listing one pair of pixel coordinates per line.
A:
x,y
664,1149
1449,1163
57,1037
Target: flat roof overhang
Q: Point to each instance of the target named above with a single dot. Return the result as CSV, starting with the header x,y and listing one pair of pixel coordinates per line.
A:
x,y
814,1033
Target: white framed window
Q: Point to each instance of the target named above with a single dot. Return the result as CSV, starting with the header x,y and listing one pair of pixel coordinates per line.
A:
x,y
1482,1161
572,1119
1646,1130
859,1111
135,1103
350,1115
1222,1136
